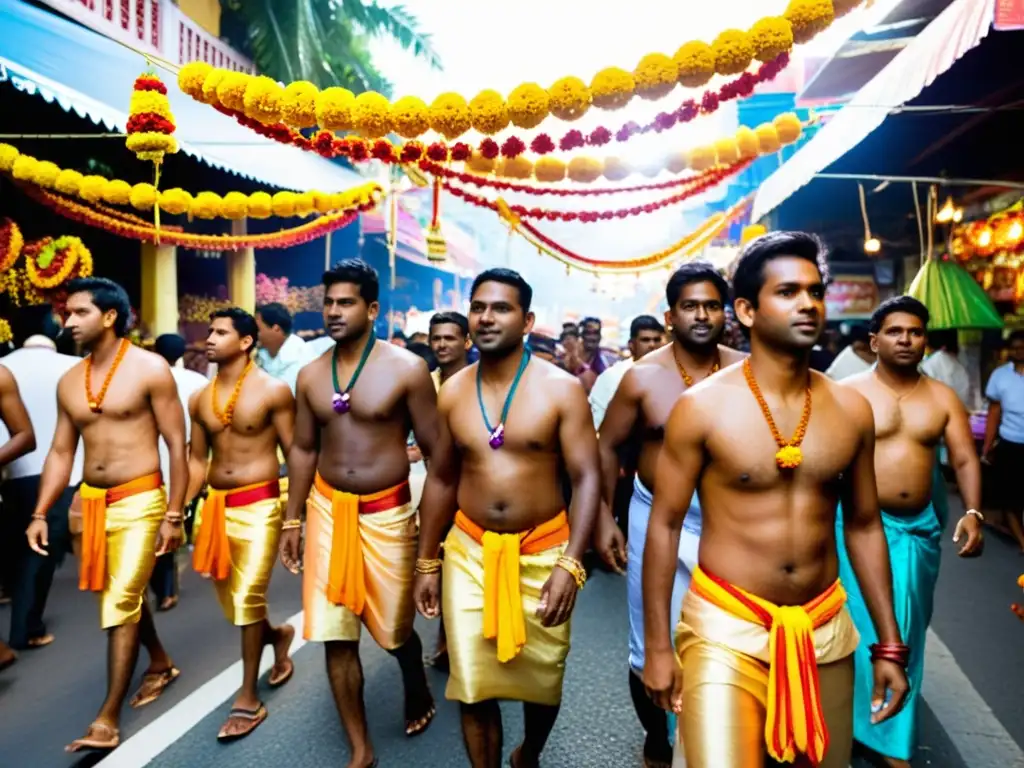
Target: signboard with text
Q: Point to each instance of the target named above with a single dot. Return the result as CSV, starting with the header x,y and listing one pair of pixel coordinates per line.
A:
x,y
851,296
1009,15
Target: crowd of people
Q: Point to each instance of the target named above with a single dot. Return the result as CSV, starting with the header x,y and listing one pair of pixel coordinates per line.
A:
x,y
778,529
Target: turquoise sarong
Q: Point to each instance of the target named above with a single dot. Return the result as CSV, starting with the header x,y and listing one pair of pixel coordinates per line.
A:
x,y
914,554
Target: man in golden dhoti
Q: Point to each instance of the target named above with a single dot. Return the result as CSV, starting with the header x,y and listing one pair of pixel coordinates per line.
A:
x,y
762,664
511,566
120,400
234,450
356,402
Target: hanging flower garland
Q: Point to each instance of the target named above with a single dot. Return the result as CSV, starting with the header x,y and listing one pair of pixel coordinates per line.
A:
x,y
57,261
505,158
286,238
11,243
687,246
6,334
150,122
203,205
698,186
748,143
302,105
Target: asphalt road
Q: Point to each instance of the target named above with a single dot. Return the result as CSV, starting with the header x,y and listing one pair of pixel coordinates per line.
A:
x,y
50,695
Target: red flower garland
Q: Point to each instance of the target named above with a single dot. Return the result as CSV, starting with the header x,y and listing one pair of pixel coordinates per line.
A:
x,y
702,184
436,169
148,122
326,144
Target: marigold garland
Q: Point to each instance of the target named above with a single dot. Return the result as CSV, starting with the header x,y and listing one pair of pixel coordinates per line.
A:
x,y
204,205
528,104
6,335
11,242
303,233
150,122
56,261
483,157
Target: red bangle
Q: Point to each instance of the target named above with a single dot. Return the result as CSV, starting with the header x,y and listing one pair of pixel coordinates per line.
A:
x,y
897,653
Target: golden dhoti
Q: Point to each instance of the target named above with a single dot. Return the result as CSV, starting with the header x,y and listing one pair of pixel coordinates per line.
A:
x,y
237,547
497,646
119,532
359,559
763,679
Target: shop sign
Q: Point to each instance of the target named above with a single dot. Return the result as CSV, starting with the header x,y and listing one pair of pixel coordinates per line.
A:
x,y
1009,15
851,296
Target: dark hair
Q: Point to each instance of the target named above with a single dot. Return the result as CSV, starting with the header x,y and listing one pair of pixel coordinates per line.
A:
x,y
538,342
944,339
644,323
66,343
590,321
243,322
357,272
277,314
695,272
506,277
1017,335
106,295
451,318
50,326
170,346
423,350
907,304
569,332
398,334
859,332
748,277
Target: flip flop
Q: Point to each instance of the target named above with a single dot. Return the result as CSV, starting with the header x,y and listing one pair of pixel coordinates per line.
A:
x,y
93,744
154,684
40,642
418,725
277,682
252,718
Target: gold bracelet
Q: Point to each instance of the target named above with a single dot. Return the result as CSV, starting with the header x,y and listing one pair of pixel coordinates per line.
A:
x,y
575,569
288,525
173,521
427,566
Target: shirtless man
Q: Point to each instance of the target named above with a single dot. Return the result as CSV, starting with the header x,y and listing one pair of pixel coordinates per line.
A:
x,y
238,422
356,402
696,296
21,440
120,400
768,566
912,414
507,424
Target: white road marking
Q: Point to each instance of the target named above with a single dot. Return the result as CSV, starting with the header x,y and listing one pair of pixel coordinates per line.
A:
x,y
145,745
976,732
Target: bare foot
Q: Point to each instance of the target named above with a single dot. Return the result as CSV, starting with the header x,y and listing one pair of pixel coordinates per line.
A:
x,y
41,642
167,603
362,761
98,736
283,667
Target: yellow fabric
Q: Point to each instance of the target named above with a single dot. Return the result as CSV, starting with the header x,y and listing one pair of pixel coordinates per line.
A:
x,y
534,674
748,649
253,532
388,552
795,723
131,527
723,715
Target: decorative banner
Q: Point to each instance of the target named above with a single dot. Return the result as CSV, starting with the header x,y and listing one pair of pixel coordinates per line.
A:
x,y
851,296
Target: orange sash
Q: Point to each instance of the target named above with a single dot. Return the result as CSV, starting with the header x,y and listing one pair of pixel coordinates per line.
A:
x,y
346,581
795,723
92,574
212,553
503,602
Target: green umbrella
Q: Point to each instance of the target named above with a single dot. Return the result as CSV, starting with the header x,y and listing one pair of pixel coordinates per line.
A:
x,y
953,298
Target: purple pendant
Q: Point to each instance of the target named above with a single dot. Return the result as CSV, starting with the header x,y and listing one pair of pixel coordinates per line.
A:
x,y
497,438
340,402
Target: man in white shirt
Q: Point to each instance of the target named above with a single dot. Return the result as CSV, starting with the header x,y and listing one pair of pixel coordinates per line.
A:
x,y
282,354
944,365
171,347
36,367
856,357
646,334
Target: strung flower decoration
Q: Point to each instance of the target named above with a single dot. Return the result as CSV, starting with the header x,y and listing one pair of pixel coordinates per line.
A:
x,y
283,203
175,201
91,189
733,52
370,115
788,127
585,169
612,88
528,105
771,37
192,76
11,243
56,261
46,174
143,197
655,76
410,117
517,167
809,17
24,168
231,90
727,151
569,98
263,100
206,205
702,158
260,206
68,182
488,112
767,138
747,143
6,336
117,192
480,163
235,206
8,156
450,116
695,62
549,169
150,122
616,169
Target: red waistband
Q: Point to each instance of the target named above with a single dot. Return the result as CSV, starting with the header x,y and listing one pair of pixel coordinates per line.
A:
x,y
251,494
381,501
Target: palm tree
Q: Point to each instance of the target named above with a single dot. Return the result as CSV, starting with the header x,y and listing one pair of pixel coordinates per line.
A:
x,y
323,41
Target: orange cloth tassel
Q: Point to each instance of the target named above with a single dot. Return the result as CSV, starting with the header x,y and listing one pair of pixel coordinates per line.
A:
x,y
795,723
92,573
212,554
503,601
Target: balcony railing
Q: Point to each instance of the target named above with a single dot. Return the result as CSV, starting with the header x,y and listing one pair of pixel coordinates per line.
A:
x,y
153,26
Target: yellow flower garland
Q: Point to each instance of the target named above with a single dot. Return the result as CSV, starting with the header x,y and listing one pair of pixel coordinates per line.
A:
x,y
528,105
70,251
143,197
6,336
